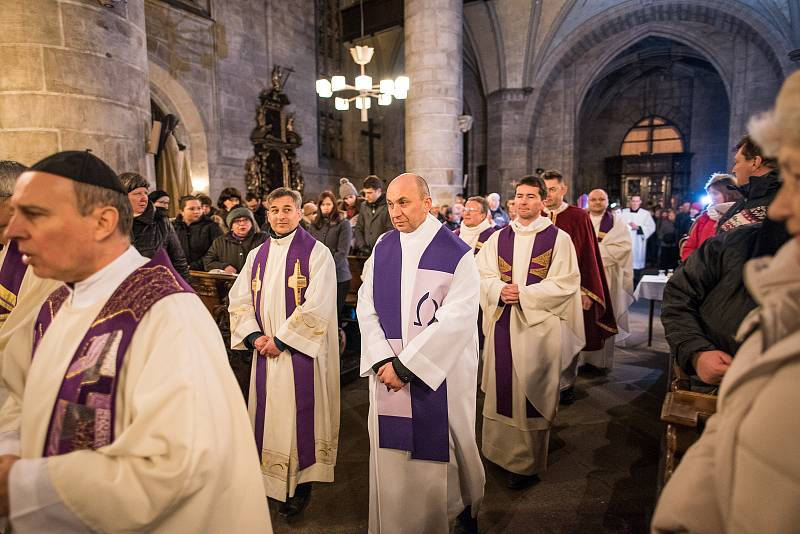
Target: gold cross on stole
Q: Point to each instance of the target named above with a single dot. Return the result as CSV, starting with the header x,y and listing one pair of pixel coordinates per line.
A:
x,y
255,284
297,282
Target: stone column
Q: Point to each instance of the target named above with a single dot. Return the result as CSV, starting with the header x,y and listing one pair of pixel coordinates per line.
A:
x,y
433,62
74,76
508,140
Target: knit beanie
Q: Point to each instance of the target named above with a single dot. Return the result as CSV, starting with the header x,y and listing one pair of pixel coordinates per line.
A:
x,y
155,195
239,212
346,188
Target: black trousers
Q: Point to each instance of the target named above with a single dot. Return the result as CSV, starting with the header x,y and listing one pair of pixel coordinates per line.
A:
x,y
341,294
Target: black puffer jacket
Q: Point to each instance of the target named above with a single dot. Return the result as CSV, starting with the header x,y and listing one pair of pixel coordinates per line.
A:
x,y
152,231
227,250
196,238
706,300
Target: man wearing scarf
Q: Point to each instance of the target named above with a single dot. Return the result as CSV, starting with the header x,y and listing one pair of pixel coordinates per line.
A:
x,y
417,310
20,288
123,415
532,316
283,307
598,312
614,241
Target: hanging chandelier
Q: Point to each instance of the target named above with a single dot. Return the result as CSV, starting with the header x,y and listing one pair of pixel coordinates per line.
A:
x,y
366,91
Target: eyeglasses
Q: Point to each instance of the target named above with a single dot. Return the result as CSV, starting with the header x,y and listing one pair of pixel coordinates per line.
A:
x,y
468,210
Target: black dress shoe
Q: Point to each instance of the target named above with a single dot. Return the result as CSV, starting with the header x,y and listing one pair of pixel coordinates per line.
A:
x,y
295,505
465,523
567,396
516,481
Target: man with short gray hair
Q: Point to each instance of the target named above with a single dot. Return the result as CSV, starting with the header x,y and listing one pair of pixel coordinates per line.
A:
x,y
120,378
21,291
283,308
498,214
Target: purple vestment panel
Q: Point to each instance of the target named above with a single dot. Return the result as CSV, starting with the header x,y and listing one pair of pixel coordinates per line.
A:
x,y
426,432
11,274
541,258
84,411
302,365
606,224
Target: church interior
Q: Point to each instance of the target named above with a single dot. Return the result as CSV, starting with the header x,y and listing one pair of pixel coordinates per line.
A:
x,y
643,99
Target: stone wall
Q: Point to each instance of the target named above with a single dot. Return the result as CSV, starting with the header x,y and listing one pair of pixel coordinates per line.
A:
x,y
74,77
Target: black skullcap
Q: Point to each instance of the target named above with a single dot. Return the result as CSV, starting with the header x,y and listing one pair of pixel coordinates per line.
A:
x,y
81,166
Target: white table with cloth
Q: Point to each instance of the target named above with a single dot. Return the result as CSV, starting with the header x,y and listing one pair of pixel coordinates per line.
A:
x,y
651,287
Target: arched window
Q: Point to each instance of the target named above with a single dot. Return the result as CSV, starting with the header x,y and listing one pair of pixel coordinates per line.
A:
x,y
653,135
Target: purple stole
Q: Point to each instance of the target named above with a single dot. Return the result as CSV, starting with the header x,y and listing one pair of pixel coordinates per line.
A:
x,y
541,257
297,263
606,224
83,414
415,418
11,274
482,237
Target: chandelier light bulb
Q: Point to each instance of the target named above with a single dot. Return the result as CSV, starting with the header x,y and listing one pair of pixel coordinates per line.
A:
x,y
342,104
401,83
363,102
324,88
338,83
363,83
400,95
385,99
387,87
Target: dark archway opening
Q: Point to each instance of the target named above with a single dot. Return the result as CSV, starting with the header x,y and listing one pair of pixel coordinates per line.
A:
x,y
655,122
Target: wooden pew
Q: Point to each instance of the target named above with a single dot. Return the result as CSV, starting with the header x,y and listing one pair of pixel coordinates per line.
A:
x,y
685,413
213,289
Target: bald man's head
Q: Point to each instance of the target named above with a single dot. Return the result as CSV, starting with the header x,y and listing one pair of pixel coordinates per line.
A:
x,y
598,202
409,201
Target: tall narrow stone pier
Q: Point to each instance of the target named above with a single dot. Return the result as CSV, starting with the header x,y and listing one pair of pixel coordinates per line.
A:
x,y
433,62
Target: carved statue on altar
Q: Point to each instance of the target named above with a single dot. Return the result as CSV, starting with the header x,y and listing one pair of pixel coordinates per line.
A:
x,y
274,162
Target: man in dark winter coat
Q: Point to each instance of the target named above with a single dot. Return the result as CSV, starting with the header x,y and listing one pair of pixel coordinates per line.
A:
x,y
196,232
706,300
151,229
229,252
373,217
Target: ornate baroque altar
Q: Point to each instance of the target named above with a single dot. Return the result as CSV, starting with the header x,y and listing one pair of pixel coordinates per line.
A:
x,y
274,162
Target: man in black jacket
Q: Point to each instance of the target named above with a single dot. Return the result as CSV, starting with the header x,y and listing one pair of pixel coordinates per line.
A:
x,y
196,232
758,181
706,300
151,229
373,217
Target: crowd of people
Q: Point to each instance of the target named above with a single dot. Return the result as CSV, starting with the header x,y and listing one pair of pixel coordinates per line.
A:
x,y
123,415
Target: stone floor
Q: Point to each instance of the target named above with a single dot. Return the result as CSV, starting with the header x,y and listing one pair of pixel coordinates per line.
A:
x,y
603,462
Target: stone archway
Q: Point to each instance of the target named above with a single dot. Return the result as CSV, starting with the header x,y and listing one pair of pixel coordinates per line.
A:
x,y
654,77
733,40
170,95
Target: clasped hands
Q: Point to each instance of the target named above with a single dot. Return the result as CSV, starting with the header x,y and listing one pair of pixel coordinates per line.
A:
x,y
510,294
389,378
265,346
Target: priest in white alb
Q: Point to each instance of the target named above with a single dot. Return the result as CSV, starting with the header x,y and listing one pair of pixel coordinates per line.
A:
x,y
533,319
417,311
475,227
614,241
640,226
123,413
21,291
283,307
